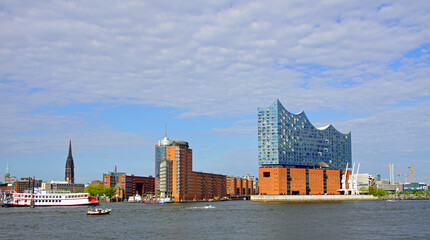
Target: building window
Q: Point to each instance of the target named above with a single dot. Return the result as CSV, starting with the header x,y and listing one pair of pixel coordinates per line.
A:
x,y
266,174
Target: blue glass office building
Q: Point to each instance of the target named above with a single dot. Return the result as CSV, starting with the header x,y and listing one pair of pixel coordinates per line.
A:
x,y
290,140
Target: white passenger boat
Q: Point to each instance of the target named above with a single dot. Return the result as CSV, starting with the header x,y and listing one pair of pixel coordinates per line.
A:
x,y
44,198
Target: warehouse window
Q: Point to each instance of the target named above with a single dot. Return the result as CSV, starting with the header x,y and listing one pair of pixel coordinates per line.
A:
x,y
266,174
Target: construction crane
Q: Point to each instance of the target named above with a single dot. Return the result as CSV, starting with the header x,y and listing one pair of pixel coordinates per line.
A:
x,y
399,176
413,174
410,172
426,179
406,178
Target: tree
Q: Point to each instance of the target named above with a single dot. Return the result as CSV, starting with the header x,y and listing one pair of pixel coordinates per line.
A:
x,y
372,191
380,192
364,190
95,189
109,192
427,193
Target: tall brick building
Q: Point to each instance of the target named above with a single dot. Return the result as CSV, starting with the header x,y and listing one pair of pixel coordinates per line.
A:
x,y
175,178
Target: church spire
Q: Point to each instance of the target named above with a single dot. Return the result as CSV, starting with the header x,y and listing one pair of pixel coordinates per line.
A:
x,y
7,175
70,166
70,148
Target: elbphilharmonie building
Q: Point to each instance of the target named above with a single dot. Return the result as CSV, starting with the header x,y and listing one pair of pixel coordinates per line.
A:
x,y
290,140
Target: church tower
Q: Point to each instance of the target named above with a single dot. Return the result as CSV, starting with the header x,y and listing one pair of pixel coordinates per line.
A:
x,y
7,175
70,168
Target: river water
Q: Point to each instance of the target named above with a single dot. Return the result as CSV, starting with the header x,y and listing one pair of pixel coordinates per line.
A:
x,y
408,219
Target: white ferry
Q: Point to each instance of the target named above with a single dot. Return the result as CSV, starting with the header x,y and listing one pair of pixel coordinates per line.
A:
x,y
43,198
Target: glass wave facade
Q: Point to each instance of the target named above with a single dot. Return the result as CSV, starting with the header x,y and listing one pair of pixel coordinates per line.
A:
x,y
290,140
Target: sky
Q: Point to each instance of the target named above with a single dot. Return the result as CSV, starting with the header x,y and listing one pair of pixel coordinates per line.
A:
x,y
108,75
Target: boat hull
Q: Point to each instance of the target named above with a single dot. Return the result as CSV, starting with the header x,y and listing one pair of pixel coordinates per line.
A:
x,y
70,205
99,212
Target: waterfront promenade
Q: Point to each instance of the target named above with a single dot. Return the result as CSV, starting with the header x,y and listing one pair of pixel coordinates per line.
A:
x,y
311,198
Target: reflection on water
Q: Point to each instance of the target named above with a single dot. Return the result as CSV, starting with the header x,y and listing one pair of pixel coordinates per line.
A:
x,y
223,220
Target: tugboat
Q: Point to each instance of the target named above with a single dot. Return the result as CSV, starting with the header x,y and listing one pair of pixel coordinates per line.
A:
x,y
98,211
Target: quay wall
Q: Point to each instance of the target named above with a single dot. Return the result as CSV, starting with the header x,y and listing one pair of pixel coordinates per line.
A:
x,y
311,198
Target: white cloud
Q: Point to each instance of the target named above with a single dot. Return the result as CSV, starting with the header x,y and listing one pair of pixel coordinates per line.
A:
x,y
221,52
214,58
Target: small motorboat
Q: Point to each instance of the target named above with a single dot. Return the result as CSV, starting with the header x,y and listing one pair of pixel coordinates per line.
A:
x,y
98,211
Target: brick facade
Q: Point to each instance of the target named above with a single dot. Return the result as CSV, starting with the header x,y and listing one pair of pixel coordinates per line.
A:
x,y
239,186
300,181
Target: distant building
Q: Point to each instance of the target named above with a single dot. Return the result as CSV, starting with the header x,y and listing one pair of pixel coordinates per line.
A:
x,y
96,182
29,183
364,180
110,179
297,158
392,188
63,186
400,187
238,186
415,187
256,186
385,185
377,177
206,186
128,185
5,187
175,178
70,166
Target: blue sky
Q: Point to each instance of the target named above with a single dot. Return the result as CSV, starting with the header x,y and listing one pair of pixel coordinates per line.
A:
x,y
110,74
